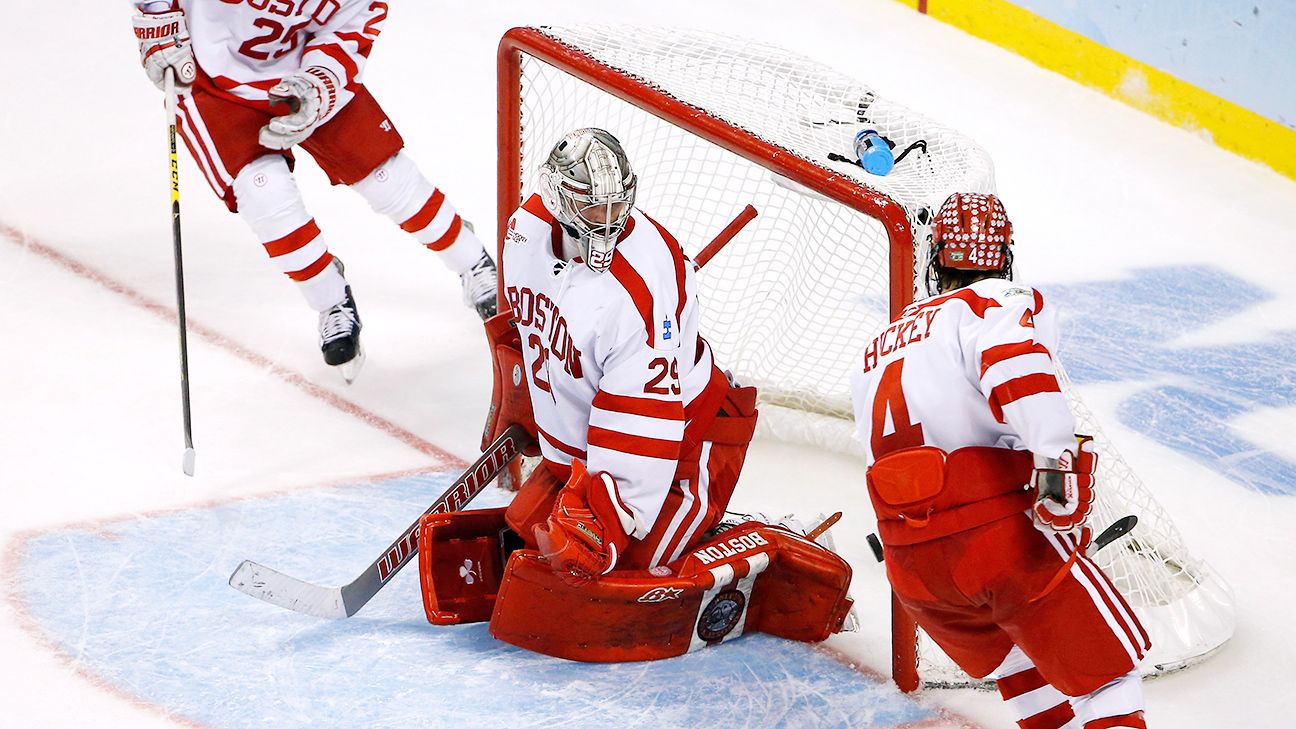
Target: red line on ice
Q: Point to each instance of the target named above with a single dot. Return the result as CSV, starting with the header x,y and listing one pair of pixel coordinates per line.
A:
x,y
211,336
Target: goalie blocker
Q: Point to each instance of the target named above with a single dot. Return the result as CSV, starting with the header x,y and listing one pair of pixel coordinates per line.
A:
x,y
751,578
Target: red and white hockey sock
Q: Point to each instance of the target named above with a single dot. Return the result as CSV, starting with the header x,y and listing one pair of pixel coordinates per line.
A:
x,y
1117,705
398,190
270,203
1034,702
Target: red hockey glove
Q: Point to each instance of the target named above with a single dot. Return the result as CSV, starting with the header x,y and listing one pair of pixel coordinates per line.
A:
x,y
164,43
1064,488
588,529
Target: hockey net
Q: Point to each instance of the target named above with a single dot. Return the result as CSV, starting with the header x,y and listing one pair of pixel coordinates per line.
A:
x,y
713,123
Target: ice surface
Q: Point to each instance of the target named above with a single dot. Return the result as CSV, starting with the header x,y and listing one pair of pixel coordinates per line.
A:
x,y
143,603
1170,258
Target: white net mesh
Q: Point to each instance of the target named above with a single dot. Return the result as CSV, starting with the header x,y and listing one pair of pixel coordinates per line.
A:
x,y
788,304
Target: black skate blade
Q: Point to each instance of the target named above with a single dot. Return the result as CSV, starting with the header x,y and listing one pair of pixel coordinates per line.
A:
x,y
351,368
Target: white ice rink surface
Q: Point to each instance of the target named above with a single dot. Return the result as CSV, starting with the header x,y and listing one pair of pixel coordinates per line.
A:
x,y
1184,251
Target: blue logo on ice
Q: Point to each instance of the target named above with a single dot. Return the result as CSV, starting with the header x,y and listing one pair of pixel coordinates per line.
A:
x,y
1125,330
108,596
666,329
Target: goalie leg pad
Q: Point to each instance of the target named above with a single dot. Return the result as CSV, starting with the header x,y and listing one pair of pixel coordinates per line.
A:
x,y
461,561
510,399
750,578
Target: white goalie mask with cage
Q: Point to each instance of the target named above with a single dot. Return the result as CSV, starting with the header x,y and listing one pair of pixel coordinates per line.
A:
x,y
589,187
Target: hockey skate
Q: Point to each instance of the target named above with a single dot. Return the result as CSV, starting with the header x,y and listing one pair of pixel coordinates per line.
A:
x,y
340,336
479,286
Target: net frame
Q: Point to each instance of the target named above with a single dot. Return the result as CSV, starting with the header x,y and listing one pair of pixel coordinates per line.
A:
x,y
814,420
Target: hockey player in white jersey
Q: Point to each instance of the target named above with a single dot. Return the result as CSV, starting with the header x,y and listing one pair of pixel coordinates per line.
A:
x,y
624,391
259,78
621,555
982,489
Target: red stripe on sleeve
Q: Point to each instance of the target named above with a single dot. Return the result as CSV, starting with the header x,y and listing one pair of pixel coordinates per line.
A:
x,y
647,407
634,285
364,44
995,355
294,240
560,446
337,53
635,445
418,221
1019,387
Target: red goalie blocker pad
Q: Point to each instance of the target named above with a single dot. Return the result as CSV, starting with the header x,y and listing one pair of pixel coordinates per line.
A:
x,y
510,400
753,577
461,560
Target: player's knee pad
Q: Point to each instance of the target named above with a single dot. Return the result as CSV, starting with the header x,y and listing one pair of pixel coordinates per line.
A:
x,y
753,577
268,198
396,188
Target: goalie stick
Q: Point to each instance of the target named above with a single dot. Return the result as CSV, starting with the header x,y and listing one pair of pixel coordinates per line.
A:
x,y
277,588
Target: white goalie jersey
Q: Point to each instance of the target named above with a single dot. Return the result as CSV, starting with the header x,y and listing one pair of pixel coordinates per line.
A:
x,y
972,367
613,360
244,47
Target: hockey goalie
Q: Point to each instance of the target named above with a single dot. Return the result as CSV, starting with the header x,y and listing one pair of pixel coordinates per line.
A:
x,y
613,548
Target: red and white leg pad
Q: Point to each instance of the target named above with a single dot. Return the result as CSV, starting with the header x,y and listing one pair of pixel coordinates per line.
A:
x,y
752,578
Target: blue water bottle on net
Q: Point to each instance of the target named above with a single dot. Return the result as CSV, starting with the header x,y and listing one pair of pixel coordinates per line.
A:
x,y
874,153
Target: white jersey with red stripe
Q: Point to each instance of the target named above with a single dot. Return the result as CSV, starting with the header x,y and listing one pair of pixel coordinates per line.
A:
x,y
972,367
246,46
613,360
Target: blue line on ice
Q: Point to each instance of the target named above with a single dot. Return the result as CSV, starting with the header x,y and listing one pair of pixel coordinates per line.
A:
x,y
144,604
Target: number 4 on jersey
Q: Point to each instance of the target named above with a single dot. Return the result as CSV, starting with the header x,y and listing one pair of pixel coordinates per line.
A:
x,y
890,400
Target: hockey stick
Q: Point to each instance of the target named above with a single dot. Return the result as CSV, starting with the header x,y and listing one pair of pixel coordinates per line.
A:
x,y
1114,531
187,464
288,592
747,215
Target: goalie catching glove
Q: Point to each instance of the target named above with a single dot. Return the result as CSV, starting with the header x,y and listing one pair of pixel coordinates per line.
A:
x,y
588,529
311,95
164,43
1064,488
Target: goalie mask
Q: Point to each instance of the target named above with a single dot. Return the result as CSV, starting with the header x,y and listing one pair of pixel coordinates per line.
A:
x,y
972,233
589,187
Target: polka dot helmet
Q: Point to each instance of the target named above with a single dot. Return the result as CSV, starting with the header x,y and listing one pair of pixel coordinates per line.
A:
x,y
972,232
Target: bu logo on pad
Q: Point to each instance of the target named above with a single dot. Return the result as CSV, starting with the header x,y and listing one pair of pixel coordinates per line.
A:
x,y
666,329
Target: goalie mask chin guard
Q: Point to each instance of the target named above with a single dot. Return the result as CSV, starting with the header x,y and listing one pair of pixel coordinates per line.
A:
x,y
972,232
588,186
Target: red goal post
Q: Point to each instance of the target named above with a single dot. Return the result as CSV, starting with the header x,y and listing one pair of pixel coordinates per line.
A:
x,y
537,44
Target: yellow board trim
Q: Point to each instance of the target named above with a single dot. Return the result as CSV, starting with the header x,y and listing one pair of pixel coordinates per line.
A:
x,y
1143,87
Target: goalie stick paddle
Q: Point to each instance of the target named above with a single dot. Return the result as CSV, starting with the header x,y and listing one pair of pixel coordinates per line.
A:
x,y
187,463
276,588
